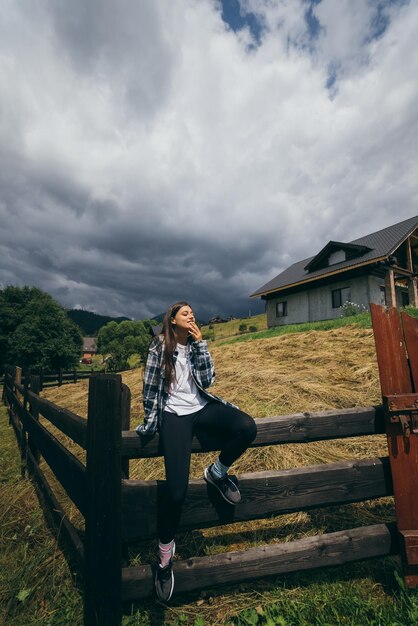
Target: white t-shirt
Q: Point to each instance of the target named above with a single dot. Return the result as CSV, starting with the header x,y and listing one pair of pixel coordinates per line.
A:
x,y
184,396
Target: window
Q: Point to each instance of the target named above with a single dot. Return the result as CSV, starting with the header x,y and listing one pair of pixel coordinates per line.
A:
x,y
336,257
382,295
281,309
339,296
404,298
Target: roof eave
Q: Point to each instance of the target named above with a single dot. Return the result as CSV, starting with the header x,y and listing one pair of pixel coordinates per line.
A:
x,y
400,242
314,278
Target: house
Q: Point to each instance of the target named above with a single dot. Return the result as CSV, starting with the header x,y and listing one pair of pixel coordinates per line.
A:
x,y
379,268
89,347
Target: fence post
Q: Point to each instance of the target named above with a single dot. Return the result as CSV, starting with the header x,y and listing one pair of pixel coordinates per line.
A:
x,y
75,376
9,377
103,539
396,340
18,381
60,377
35,387
126,423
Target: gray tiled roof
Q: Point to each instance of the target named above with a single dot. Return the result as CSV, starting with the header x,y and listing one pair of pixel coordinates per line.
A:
x,y
382,243
89,344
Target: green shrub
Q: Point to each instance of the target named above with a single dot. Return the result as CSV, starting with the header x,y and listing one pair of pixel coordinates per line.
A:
x,y
351,308
242,328
208,335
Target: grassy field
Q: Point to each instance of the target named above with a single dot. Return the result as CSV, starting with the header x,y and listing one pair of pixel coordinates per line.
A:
x,y
302,371
228,332
228,329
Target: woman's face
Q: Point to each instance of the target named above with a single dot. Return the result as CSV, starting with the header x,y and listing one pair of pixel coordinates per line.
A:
x,y
183,318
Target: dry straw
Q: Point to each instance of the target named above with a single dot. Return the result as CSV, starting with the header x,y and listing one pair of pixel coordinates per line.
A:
x,y
310,371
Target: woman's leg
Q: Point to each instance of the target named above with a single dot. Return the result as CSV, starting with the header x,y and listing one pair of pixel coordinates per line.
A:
x,y
176,435
239,428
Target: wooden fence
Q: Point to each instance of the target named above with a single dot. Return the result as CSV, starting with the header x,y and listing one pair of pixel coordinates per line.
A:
x,y
55,379
118,510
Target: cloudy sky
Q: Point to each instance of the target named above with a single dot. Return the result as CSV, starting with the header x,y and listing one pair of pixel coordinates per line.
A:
x,y
152,150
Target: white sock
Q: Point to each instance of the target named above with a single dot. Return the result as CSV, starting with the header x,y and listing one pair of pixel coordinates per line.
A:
x,y
218,469
166,552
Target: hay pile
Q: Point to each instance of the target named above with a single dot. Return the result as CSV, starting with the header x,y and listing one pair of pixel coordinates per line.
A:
x,y
309,371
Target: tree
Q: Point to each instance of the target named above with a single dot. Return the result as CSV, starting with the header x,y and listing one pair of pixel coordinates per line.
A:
x,y
121,341
35,331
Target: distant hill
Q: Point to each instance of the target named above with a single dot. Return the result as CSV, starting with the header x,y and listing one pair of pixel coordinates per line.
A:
x,y
90,323
158,318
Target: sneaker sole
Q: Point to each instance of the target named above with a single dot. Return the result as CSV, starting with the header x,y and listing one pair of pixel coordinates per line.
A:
x,y
209,480
171,592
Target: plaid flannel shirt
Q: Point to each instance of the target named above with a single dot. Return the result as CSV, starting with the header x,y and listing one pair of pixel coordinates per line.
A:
x,y
154,389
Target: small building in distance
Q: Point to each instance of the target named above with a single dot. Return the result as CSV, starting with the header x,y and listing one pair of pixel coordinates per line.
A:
x,y
89,347
380,268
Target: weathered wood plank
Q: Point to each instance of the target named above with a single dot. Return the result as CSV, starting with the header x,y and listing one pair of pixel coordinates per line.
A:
x,y
35,386
390,350
297,428
68,537
395,378
19,431
410,330
263,494
103,547
125,423
66,467
69,423
232,567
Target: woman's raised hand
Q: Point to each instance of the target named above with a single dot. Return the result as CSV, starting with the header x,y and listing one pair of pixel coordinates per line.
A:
x,y
194,331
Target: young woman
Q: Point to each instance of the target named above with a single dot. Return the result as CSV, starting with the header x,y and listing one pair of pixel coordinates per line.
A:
x,y
178,371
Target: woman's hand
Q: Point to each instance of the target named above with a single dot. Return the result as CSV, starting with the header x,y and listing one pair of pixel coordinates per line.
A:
x,y
194,331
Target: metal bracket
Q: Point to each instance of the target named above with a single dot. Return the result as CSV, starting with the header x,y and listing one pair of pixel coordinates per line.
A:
x,y
403,408
410,538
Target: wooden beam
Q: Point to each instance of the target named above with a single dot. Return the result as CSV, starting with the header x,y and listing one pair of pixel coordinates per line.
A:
x,y
409,255
392,345
263,494
296,428
103,544
390,288
69,423
413,292
67,534
232,567
66,467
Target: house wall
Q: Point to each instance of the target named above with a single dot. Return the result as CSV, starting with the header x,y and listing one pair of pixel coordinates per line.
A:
x,y
315,304
376,295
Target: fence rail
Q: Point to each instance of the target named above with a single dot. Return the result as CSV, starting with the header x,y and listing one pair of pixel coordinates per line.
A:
x,y
118,510
55,379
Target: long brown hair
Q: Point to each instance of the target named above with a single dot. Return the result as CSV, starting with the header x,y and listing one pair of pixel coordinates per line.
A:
x,y
170,341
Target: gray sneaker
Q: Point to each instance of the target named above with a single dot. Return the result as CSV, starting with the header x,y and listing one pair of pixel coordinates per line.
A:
x,y
228,489
164,581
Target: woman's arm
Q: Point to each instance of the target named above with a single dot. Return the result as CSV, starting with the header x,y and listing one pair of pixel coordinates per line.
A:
x,y
203,364
150,390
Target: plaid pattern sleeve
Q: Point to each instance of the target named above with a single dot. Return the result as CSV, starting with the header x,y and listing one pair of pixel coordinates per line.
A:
x,y
152,389
203,368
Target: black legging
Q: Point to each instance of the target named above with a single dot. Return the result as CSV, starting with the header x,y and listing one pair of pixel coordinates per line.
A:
x,y
176,433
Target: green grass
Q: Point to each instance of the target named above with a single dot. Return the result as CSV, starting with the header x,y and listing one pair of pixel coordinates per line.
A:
x,y
231,328
36,585
339,599
35,582
228,332
361,321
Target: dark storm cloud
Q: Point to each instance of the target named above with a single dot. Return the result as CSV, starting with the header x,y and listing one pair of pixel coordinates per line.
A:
x,y
148,153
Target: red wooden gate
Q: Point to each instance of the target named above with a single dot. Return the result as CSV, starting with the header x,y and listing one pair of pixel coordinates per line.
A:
x,y
396,339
